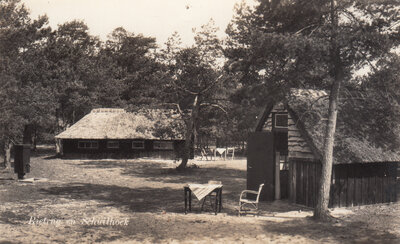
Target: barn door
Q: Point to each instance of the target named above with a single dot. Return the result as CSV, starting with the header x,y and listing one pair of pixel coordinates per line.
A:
x,y
260,164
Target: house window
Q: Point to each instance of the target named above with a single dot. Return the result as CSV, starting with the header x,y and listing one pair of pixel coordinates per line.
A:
x,y
281,120
112,144
88,144
163,145
138,145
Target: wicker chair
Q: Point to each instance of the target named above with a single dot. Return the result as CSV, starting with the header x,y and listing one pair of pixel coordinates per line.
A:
x,y
247,205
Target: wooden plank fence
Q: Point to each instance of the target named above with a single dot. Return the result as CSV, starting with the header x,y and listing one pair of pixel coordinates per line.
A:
x,y
352,184
303,182
362,184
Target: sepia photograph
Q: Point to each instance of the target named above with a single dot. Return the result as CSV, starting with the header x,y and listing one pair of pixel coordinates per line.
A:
x,y
199,121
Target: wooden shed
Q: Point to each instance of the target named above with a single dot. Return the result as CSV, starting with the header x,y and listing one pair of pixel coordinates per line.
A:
x,y
115,133
285,150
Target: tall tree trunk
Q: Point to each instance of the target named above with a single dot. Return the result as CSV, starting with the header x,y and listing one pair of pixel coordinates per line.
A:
x,y
189,137
73,116
321,209
58,129
27,137
34,139
59,147
7,154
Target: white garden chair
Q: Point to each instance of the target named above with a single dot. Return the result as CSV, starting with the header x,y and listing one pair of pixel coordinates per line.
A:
x,y
247,205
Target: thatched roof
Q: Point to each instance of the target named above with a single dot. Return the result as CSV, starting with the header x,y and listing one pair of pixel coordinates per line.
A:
x,y
105,123
352,144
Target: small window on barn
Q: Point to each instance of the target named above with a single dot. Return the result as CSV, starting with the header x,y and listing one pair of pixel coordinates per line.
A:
x,y
88,144
281,120
163,145
138,145
112,144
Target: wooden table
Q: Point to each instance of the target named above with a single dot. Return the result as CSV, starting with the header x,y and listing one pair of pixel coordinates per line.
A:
x,y
218,199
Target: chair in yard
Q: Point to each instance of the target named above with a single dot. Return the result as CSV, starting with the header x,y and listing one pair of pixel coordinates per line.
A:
x,y
247,205
205,153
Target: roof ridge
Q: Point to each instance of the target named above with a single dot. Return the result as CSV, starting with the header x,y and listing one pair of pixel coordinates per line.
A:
x,y
106,123
108,110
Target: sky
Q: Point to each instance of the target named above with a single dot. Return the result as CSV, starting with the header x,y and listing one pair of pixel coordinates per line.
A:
x,y
155,18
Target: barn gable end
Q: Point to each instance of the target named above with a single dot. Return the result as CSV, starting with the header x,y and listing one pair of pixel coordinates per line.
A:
x,y
297,145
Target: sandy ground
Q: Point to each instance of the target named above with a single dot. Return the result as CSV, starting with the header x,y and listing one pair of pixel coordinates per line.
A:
x,y
132,201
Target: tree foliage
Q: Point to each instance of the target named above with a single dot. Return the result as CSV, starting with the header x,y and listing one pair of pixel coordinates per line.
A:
x,y
52,78
195,82
283,44
24,98
137,73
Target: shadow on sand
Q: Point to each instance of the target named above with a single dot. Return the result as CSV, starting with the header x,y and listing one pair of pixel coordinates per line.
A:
x,y
158,198
341,232
136,200
234,180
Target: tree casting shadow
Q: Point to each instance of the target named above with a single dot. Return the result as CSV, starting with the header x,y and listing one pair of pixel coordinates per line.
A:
x,y
143,199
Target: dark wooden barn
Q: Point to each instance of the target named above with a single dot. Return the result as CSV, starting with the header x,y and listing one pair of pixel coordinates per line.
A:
x,y
115,133
284,152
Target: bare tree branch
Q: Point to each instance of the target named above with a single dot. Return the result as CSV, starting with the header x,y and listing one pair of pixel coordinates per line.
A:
x,y
177,106
183,89
369,62
310,109
211,85
215,106
305,28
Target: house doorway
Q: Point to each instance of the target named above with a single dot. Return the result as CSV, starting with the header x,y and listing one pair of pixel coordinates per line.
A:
x,y
260,164
267,163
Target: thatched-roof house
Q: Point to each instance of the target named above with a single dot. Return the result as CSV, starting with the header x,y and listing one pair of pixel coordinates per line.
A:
x,y
291,135
108,132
